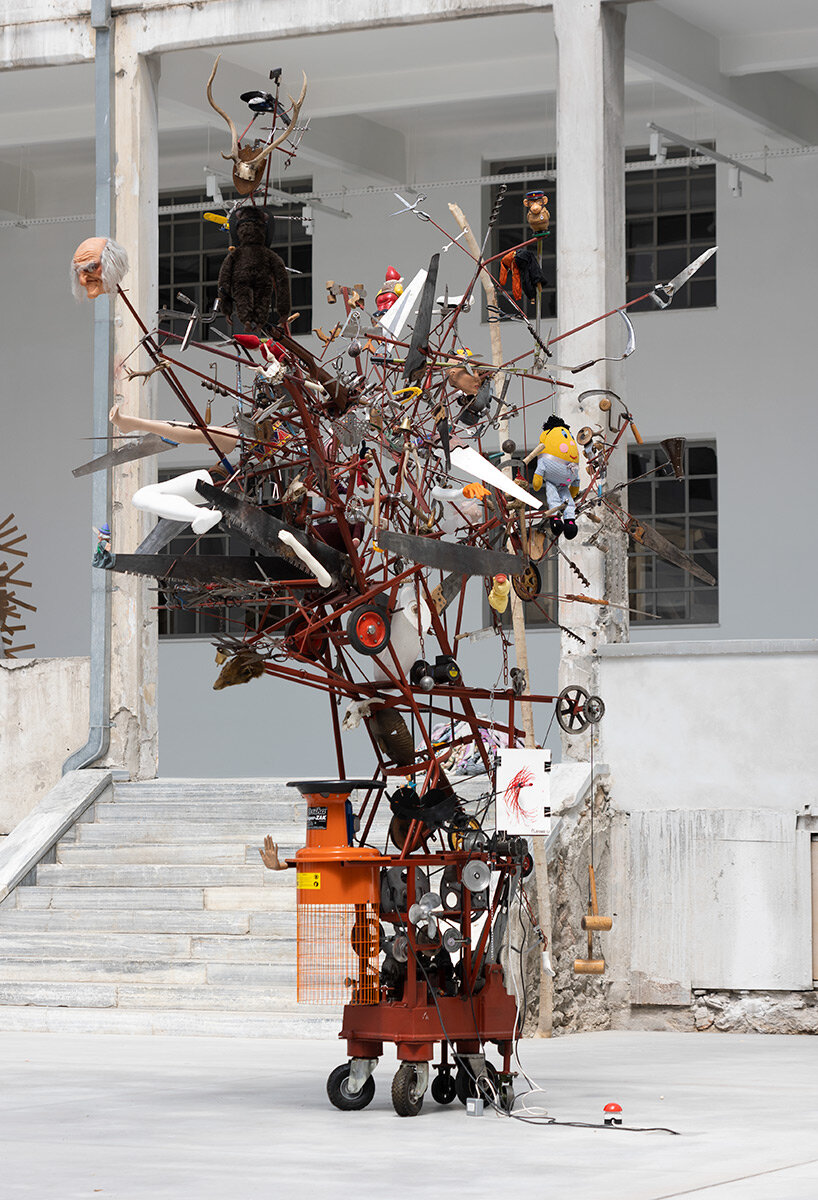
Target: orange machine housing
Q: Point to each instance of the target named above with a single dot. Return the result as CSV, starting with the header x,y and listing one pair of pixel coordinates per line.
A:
x,y
338,901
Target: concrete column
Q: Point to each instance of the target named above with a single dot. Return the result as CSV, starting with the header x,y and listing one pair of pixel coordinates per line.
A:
x,y
134,627
590,281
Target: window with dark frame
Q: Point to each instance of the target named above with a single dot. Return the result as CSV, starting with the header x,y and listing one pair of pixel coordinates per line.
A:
x,y
180,622
670,219
684,511
191,251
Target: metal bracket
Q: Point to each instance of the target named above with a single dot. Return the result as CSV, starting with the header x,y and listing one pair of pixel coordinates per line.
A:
x,y
359,1071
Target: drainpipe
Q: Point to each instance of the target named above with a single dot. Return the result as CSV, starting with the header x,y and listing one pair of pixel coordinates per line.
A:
x,y
99,723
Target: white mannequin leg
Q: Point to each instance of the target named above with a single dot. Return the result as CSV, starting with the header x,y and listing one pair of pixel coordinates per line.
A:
x,y
178,500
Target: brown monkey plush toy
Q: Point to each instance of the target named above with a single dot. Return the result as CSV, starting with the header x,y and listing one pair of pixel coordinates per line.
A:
x,y
251,271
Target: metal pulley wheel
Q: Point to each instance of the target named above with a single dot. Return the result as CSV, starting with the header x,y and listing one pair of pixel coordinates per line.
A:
x,y
570,709
594,709
528,585
476,875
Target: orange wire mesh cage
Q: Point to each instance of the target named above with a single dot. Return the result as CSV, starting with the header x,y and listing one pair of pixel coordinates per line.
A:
x,y
338,950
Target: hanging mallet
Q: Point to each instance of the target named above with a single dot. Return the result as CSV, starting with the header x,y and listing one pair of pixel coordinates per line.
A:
x,y
593,923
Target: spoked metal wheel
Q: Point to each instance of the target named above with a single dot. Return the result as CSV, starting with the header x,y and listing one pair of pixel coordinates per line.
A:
x,y
571,714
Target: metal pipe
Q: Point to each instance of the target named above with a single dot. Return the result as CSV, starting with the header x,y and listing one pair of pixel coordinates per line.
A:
x,y
99,736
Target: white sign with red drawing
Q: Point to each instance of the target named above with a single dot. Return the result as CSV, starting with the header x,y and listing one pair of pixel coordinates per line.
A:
x,y
523,799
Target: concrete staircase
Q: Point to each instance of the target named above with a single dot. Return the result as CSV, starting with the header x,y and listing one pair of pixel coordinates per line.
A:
x,y
158,916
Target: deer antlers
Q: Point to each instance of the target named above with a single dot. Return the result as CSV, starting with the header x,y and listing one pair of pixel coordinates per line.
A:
x,y
248,163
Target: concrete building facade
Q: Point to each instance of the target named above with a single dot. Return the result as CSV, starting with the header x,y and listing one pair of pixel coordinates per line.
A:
x,y
706,738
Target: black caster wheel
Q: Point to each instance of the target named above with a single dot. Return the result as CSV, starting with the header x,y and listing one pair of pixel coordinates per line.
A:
x,y
407,1101
368,629
464,1085
506,1095
341,1097
443,1088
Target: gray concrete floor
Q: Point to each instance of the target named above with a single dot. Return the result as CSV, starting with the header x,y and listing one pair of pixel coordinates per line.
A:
x,y
229,1119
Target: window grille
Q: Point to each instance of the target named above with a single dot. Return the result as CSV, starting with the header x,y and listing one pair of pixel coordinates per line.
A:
x,y
191,251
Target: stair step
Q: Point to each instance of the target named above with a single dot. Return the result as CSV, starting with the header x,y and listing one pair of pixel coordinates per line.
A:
x,y
278,1024
98,994
237,853
100,970
288,833
152,876
114,920
149,946
195,811
54,896
206,787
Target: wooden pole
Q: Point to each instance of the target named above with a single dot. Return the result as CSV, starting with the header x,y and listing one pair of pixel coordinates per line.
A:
x,y
543,897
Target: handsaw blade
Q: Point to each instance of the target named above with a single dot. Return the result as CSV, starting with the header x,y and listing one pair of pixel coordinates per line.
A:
x,y
449,556
419,346
202,568
261,530
143,447
670,289
651,539
162,533
447,589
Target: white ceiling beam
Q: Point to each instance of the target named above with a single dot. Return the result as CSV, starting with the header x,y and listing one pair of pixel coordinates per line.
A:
x,y
53,43
66,37
759,53
226,22
674,52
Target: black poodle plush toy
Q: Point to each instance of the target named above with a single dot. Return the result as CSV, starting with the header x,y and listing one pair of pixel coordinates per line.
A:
x,y
251,271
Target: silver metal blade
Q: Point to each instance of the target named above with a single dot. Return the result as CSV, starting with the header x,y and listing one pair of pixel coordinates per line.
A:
x,y
683,276
142,447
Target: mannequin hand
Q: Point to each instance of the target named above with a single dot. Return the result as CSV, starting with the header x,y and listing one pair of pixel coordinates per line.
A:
x,y
269,855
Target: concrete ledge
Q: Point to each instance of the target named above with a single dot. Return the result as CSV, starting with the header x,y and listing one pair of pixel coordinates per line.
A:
x,y
686,649
53,815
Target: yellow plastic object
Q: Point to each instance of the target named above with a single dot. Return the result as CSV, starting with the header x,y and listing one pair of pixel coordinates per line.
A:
x,y
498,596
216,218
413,391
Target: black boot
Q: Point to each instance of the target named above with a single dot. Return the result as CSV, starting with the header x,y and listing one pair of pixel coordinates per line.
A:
x,y
570,530
556,526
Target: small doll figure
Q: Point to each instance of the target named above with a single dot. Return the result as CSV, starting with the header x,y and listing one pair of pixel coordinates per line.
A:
x,y
102,555
392,288
557,467
537,214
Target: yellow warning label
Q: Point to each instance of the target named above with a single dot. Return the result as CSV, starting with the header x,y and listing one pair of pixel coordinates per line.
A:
x,y
309,880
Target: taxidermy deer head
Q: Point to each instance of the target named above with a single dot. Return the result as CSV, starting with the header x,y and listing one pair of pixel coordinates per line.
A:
x,y
248,163
240,668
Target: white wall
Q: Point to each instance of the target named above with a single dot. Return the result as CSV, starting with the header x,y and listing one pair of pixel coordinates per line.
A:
x,y
711,724
44,708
